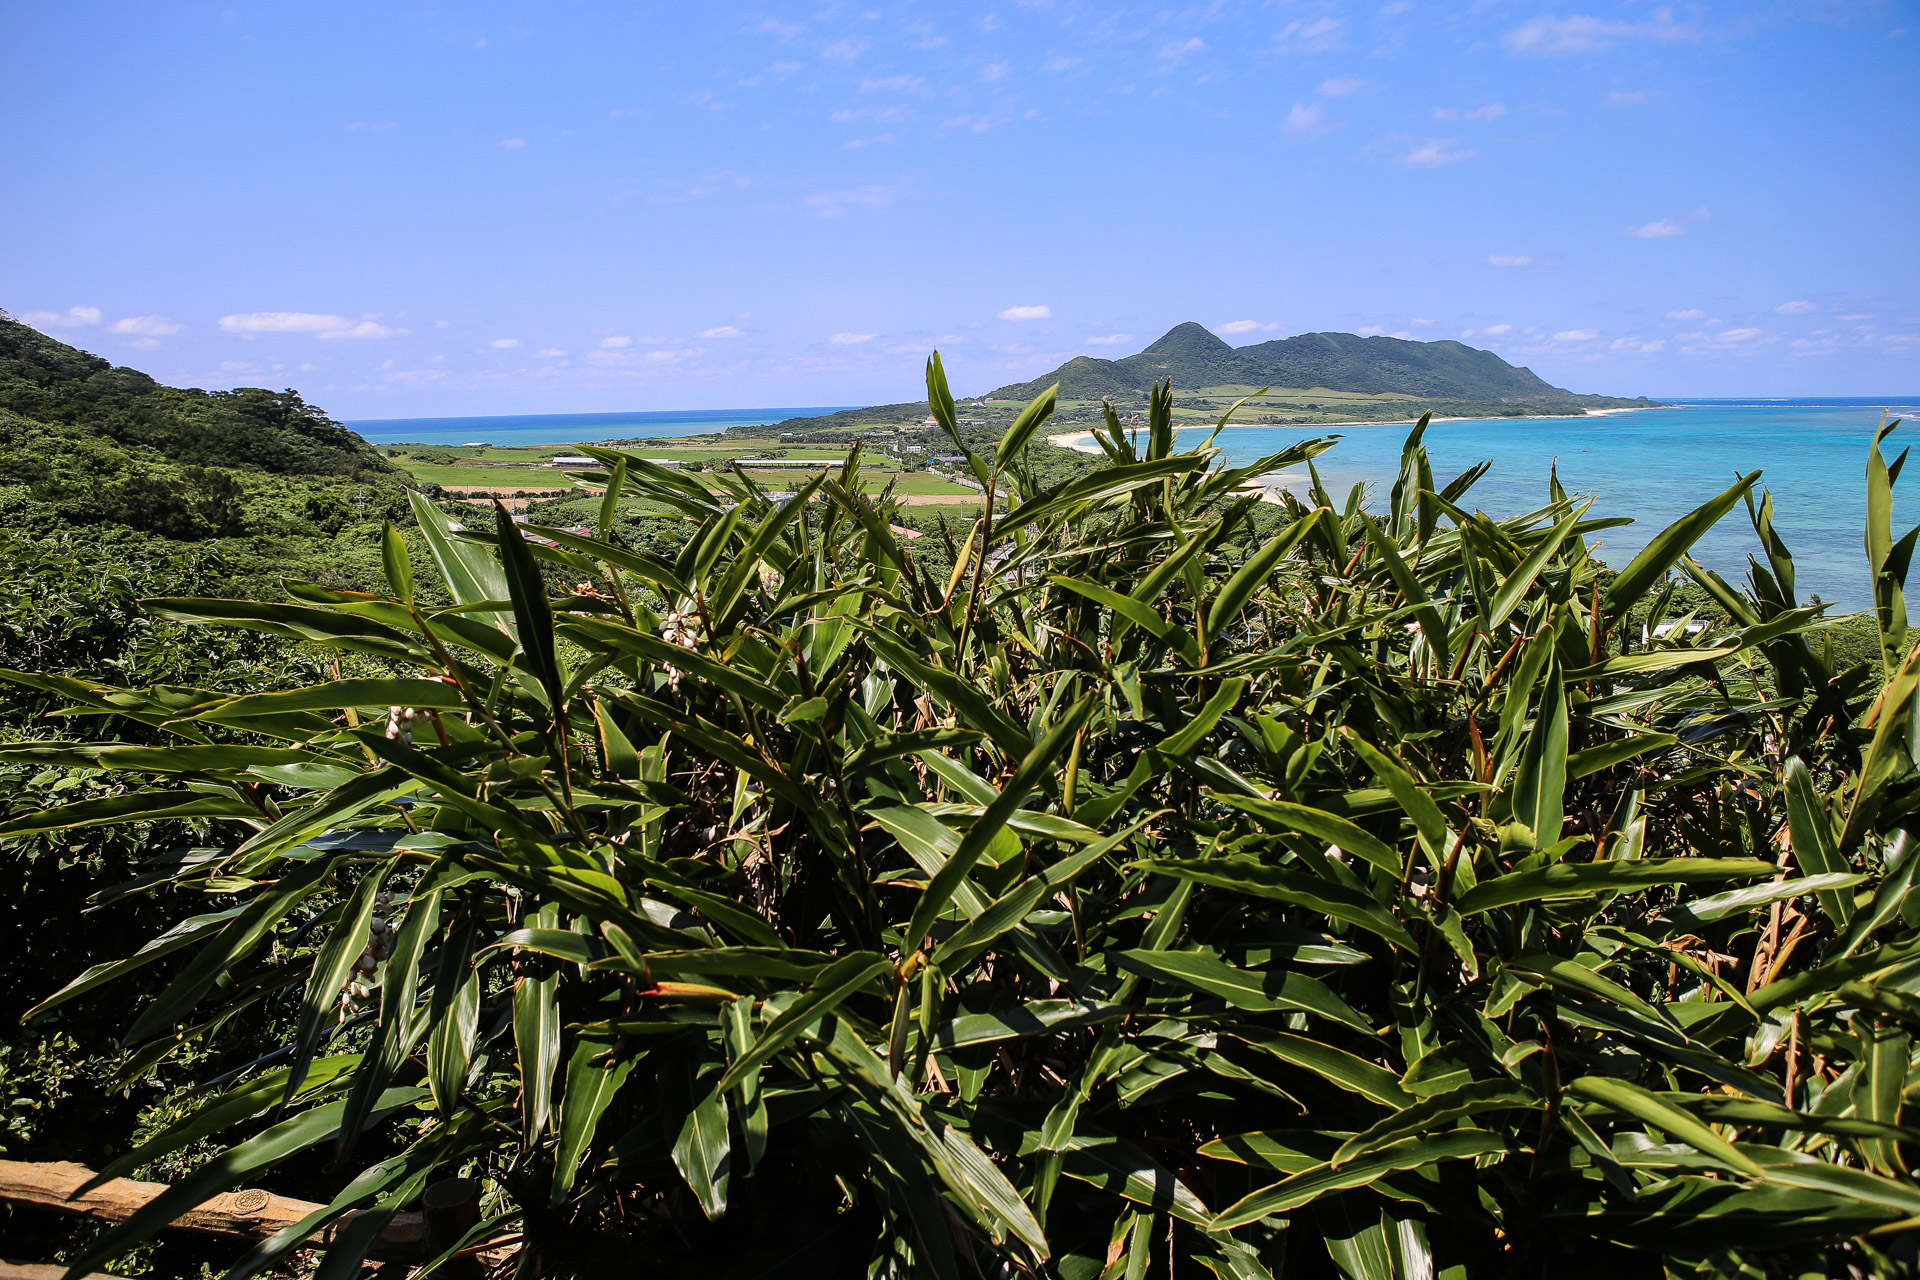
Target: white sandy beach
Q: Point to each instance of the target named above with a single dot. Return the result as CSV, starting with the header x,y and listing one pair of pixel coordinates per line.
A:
x,y
1082,441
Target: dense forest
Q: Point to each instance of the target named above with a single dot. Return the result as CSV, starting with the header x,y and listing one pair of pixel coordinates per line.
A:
x,y
1146,879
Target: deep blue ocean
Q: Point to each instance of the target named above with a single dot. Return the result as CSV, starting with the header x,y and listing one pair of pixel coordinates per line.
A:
x,y
1655,465
573,428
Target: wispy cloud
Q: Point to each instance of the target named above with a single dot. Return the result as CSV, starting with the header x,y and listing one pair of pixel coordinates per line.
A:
x,y
1796,308
145,326
1663,228
851,339
1691,313
504,344
1344,86
1245,326
513,144
1584,33
328,327
1576,335
1175,49
1109,340
1433,153
1312,35
71,318
834,204
1038,312
1509,260
722,331
615,342
1304,118
359,332
552,353
1492,111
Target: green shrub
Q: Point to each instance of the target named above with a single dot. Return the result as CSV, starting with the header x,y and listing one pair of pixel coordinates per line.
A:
x,y
1164,881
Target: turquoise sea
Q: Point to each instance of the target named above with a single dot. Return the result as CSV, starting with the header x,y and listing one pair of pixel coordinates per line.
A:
x,y
1655,465
573,428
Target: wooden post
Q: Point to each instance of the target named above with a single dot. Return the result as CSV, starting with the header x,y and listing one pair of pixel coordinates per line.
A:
x,y
452,1209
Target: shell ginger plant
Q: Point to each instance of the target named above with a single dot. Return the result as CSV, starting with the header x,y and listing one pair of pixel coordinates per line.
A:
x,y
1172,883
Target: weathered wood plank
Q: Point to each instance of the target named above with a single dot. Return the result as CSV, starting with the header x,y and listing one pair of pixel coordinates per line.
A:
x,y
43,1271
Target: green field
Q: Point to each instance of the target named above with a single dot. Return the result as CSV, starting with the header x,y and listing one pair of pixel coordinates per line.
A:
x,y
459,477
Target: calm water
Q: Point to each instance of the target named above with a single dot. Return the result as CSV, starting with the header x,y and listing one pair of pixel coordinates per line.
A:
x,y
1655,465
571,428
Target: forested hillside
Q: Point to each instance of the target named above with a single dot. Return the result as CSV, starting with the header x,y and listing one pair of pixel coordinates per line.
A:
x,y
106,453
1194,357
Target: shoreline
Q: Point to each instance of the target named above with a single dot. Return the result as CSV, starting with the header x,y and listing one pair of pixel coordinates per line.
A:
x,y
1082,441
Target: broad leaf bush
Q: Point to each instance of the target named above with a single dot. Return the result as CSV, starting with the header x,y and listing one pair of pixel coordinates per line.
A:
x,y
1171,883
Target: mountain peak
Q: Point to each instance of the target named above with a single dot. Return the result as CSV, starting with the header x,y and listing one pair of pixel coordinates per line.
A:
x,y
1447,375
1189,341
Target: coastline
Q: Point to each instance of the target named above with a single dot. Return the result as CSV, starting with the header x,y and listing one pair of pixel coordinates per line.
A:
x,y
1082,441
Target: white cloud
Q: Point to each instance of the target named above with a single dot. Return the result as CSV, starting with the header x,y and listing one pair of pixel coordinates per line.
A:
x,y
1181,48
1509,260
851,339
1583,33
1795,308
1109,340
1492,111
1576,335
1244,326
329,327
844,50
831,204
1027,313
145,326
615,342
1304,118
552,353
1498,330
1343,86
722,331
503,344
513,144
1661,228
1626,97
71,318
1433,153
1317,36
281,322
365,329
1060,62
1691,313
875,83
1637,344
1740,335
1657,230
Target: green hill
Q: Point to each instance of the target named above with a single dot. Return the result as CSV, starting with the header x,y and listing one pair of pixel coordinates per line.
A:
x,y
105,453
1195,358
56,385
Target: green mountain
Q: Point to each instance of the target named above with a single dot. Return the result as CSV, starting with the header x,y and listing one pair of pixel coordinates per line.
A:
x,y
89,449
51,383
1195,358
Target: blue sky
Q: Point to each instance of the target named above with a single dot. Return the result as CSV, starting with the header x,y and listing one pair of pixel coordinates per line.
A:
x,y
512,208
